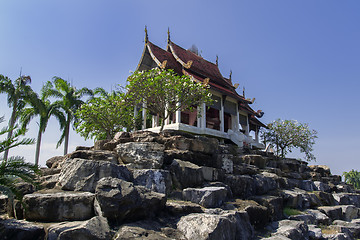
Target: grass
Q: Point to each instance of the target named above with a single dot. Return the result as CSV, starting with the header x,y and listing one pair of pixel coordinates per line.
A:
x,y
291,211
328,230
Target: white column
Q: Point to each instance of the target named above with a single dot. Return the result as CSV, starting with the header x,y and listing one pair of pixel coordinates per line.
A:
x,y
144,116
257,135
203,116
247,126
222,116
154,122
178,114
237,119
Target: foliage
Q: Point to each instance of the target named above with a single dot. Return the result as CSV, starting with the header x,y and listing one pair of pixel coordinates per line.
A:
x,y
353,178
159,91
70,101
289,134
291,211
103,116
15,168
42,107
18,92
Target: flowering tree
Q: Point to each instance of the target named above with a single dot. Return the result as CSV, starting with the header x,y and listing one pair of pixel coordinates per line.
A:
x,y
163,92
353,178
289,134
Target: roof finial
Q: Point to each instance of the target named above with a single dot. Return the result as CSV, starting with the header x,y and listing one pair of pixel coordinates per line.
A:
x,y
146,35
168,35
230,74
217,60
243,92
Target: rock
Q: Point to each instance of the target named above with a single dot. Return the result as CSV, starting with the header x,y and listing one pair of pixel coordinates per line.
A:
x,y
99,144
242,186
196,144
208,197
24,187
20,230
325,198
60,206
274,205
320,217
145,136
49,182
117,199
296,198
131,232
347,199
98,155
226,225
96,228
245,169
212,174
54,161
314,232
220,184
154,180
323,170
306,218
349,212
186,174
225,162
256,160
4,200
265,182
141,155
82,175
333,212
259,215
353,228
176,207
320,186
307,185
291,229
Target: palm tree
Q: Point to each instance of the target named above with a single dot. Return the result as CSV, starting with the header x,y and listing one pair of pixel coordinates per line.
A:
x,y
42,107
70,102
15,168
17,93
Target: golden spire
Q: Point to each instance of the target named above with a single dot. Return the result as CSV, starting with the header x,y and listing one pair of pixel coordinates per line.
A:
x,y
230,74
146,35
168,37
217,60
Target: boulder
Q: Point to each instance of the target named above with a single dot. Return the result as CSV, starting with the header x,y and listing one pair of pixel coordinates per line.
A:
x,y
325,198
186,174
256,160
274,205
156,180
223,225
4,199
306,218
60,206
242,186
132,232
99,155
299,199
314,232
353,228
82,175
245,169
323,170
20,230
141,155
225,162
208,197
307,185
117,199
176,207
265,182
320,218
96,228
212,174
349,212
143,136
291,229
54,162
320,186
49,182
259,215
347,199
333,212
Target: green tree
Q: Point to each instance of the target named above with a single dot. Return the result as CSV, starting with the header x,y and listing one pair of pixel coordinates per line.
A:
x,y
70,102
17,93
289,134
15,168
42,107
103,116
353,178
164,92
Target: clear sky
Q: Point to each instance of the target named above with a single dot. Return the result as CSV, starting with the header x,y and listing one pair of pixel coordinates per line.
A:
x,y
300,59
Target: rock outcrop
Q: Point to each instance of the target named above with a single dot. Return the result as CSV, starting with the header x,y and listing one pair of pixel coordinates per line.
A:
x,y
175,185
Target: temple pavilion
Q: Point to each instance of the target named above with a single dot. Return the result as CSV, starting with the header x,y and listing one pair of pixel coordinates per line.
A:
x,y
229,117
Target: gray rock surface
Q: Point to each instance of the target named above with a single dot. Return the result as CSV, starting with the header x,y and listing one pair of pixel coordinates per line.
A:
x,y
156,180
224,225
186,174
12,229
208,197
82,175
57,207
96,228
141,155
291,229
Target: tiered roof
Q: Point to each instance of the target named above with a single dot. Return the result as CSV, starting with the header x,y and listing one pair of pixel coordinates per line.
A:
x,y
186,62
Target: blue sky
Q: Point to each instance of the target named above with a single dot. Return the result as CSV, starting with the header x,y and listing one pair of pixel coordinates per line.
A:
x,y
300,59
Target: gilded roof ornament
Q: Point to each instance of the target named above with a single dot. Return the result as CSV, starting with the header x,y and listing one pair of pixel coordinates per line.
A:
x,y
217,60
168,34
230,75
146,35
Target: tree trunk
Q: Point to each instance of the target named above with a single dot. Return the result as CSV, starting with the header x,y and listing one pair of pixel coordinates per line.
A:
x,y
11,125
66,143
38,143
162,124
